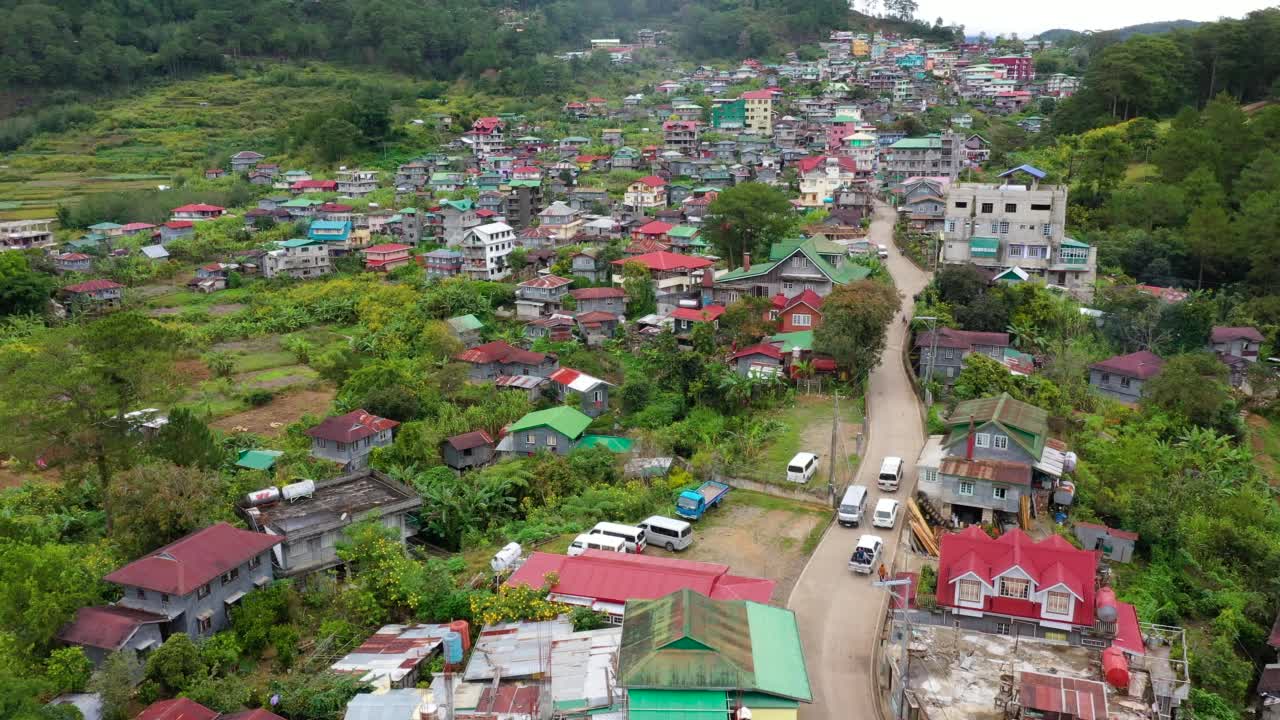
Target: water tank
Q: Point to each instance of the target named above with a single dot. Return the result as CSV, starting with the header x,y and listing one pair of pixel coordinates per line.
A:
x,y
428,711
295,491
463,628
1065,494
453,648
1069,462
1105,601
1115,667
506,557
262,497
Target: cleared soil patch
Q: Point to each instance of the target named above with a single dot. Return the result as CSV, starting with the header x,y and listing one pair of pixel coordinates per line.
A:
x,y
272,418
756,535
194,371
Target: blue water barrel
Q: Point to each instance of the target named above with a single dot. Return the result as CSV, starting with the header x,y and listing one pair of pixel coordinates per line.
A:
x,y
453,647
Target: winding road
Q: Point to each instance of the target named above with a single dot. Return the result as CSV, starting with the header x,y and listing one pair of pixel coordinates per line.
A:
x,y
838,611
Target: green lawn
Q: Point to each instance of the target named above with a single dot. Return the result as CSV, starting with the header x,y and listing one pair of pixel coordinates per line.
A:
x,y
1138,172
807,426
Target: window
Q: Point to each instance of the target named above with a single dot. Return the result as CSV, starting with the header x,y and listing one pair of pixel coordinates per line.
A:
x,y
1040,206
968,591
551,440
965,488
230,575
1124,382
1058,603
983,440
1037,251
255,562
798,261
204,624
988,208
949,353
1016,251
802,320
1004,228
531,439
142,594
203,591
1046,230
1000,442
995,228
962,204
1011,207
1015,588
1073,255
951,226
788,286
999,493
1055,635
929,475
1002,628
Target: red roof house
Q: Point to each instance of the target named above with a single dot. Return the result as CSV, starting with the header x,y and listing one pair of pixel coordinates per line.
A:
x,y
108,628
386,257
183,566
1140,365
314,186
597,293
355,425
669,262
197,211
652,230
800,313
606,581
687,316
652,181
176,709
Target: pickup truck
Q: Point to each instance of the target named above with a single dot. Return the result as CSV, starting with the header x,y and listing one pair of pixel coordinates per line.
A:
x,y
693,503
866,555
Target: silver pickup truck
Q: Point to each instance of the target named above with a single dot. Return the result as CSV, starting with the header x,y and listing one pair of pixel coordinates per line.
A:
x,y
866,555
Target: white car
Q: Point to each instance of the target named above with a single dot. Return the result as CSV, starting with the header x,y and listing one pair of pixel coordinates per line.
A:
x,y
882,251
886,514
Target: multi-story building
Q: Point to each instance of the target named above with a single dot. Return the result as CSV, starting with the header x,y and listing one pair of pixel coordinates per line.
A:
x,y
485,249
357,183
1017,67
647,192
1014,225
562,221
523,202
1061,85
457,218
297,258
840,127
441,263
939,155
863,148
348,439
485,136
541,296
728,114
386,257
759,111
680,136
822,176
26,234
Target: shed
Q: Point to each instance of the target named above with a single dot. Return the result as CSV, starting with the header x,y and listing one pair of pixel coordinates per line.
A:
x,y
1115,544
468,450
258,459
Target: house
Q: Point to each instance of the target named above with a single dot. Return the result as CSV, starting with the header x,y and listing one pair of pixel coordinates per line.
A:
x,y
245,160
612,300
798,313
654,230
73,262
748,658
923,200
1114,544
555,430
468,450
485,136
937,155
822,176
681,135
674,276
466,328
1241,342
759,111
561,220
334,232
175,229
1018,223
196,212
1123,377
136,228
1013,585
498,358
606,581
107,229
1003,429
310,529
188,586
214,173
93,295
953,346
597,326
178,709
298,258
761,360
386,256
348,439
686,239
683,318
794,265
457,218
592,391
541,296
647,192
441,263
485,249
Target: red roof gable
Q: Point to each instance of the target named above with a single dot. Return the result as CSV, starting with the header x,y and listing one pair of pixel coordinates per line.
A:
x,y
760,349
652,181
811,163
806,297
664,261
179,224
595,317
467,441
71,257
546,281
315,185
598,293
184,565
705,314
758,95
176,709
655,227
108,627
618,577
92,286
1141,365
501,351
1227,334
1048,562
199,207
355,425
387,248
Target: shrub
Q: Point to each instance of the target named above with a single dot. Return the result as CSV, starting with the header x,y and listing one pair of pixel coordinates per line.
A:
x,y
258,397
68,670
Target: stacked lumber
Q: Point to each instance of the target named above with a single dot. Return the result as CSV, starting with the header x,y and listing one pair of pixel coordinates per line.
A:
x,y
920,529
1024,513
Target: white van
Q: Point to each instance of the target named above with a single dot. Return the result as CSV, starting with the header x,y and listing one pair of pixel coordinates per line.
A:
x,y
852,506
802,467
634,536
886,514
668,533
890,474
585,542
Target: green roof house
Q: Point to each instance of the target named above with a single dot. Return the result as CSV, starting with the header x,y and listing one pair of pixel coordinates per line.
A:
x,y
557,430
794,265
1003,429
686,655
466,328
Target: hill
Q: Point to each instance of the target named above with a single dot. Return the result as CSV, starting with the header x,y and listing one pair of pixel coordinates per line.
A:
x,y
1060,36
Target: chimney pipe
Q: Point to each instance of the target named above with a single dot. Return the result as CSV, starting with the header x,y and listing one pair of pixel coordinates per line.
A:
x,y
968,452
746,261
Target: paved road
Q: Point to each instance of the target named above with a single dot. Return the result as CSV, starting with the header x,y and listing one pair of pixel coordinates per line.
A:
x,y
838,611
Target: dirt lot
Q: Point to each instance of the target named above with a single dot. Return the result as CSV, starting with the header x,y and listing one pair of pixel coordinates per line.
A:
x,y
212,310
757,535
280,412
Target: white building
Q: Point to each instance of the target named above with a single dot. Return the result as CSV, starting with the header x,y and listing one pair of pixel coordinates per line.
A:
x,y
485,249
357,183
300,258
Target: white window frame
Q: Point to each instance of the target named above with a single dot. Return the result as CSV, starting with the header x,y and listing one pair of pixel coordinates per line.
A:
x,y
1016,251
802,320
1054,595
1009,588
965,488
530,439
1000,442
968,591
982,440
999,492
551,440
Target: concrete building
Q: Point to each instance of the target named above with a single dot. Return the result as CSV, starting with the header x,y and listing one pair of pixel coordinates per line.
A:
x,y
357,183
348,439
940,155
1001,226
297,258
759,118
485,249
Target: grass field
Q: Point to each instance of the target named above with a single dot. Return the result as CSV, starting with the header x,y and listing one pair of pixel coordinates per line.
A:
x,y
807,427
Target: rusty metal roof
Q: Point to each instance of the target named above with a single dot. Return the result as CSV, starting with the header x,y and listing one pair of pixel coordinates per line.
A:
x,y
1027,424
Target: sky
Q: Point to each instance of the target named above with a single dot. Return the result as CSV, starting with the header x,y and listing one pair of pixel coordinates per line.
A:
x,y
1028,17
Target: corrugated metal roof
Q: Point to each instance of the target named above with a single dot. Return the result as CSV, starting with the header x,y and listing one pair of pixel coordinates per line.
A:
x,y
677,704
583,670
515,650
1027,424
392,652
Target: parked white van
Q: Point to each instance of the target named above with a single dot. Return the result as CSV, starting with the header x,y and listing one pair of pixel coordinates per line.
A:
x,y
890,474
634,536
667,532
585,542
886,514
852,506
802,467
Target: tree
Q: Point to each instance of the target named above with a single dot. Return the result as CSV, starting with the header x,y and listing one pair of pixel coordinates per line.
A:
x,y
334,139
22,289
176,664
747,320
187,441
855,321
960,284
42,586
114,681
747,219
68,669
1192,388
642,299
158,502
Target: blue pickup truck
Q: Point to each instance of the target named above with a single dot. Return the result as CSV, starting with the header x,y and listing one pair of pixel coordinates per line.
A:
x,y
692,504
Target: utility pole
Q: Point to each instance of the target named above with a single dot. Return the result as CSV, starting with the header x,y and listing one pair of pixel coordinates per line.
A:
x,y
933,353
831,455
889,586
